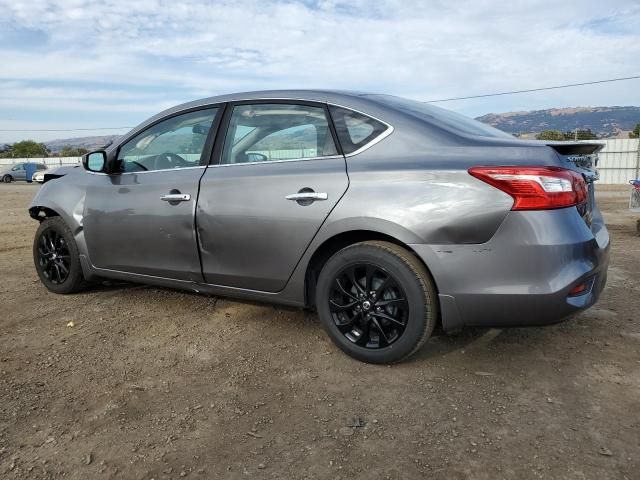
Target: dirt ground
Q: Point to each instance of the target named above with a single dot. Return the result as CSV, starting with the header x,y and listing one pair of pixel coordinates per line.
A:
x,y
154,383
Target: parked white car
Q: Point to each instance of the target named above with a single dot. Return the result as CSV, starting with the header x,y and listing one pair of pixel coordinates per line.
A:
x,y
38,176
54,172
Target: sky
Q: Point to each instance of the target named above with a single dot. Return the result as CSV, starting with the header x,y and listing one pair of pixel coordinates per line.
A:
x,y
77,64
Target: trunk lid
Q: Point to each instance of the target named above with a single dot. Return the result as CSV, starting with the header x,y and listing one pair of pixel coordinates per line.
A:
x,y
581,157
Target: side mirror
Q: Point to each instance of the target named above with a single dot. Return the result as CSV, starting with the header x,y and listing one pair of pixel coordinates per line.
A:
x,y
95,161
255,157
200,129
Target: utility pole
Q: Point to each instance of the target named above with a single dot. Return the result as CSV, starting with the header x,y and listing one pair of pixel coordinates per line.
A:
x,y
637,163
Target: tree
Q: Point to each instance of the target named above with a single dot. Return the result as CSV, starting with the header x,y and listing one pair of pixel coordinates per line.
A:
x,y
550,135
28,149
69,151
635,133
578,134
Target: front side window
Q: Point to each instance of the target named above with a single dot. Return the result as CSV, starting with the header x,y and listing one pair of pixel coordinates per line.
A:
x,y
354,129
177,142
269,132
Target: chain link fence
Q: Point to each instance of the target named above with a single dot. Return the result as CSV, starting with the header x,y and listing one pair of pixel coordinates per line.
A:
x,y
619,161
50,162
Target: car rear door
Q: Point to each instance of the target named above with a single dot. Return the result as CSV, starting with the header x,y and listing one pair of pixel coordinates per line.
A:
x,y
278,175
140,219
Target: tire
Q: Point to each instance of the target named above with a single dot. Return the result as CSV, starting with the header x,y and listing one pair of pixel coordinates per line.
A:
x,y
7,179
402,313
54,237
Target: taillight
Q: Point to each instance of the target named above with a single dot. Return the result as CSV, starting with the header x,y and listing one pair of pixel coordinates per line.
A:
x,y
536,188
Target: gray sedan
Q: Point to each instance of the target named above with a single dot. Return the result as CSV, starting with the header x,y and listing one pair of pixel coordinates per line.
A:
x,y
388,216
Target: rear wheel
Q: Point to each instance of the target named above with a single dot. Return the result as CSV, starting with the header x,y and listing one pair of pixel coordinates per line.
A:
x,y
377,302
7,178
56,258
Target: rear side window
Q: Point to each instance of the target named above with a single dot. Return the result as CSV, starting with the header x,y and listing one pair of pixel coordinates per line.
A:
x,y
354,129
279,131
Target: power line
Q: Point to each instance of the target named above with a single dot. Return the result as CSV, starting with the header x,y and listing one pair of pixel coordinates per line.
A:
x,y
512,92
64,129
534,89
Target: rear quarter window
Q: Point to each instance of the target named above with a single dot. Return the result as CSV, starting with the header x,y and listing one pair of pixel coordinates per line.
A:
x,y
355,130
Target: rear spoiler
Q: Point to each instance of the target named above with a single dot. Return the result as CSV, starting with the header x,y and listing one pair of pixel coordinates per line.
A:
x,y
576,148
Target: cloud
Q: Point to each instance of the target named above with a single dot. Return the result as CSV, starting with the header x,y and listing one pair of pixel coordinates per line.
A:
x,y
102,55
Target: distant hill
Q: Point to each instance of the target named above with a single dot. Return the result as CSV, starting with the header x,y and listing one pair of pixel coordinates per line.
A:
x,y
604,121
90,143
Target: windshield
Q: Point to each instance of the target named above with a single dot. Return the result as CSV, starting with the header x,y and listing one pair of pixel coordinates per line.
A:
x,y
452,120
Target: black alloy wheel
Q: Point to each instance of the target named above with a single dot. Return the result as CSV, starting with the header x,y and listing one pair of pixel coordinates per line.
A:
x,y
377,301
368,306
54,257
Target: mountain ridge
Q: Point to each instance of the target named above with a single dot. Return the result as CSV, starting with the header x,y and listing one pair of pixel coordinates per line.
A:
x,y
603,121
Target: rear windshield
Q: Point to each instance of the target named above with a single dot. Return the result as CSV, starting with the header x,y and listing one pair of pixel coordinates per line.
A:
x,y
448,119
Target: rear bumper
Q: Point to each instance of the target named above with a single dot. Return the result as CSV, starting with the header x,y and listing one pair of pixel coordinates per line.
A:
x,y
523,275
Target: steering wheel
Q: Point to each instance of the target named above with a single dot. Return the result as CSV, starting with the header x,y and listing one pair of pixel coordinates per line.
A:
x,y
169,160
139,164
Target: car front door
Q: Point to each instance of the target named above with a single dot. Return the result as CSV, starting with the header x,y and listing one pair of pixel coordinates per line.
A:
x,y
278,176
140,218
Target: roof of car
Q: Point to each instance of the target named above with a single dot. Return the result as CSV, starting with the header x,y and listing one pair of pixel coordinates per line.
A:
x,y
341,97
345,98
387,108
312,95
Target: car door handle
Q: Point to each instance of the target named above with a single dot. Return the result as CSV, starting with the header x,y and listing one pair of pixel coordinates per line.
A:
x,y
313,196
176,197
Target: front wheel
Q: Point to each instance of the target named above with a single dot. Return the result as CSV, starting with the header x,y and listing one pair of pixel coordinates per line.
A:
x,y
56,258
377,302
7,179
